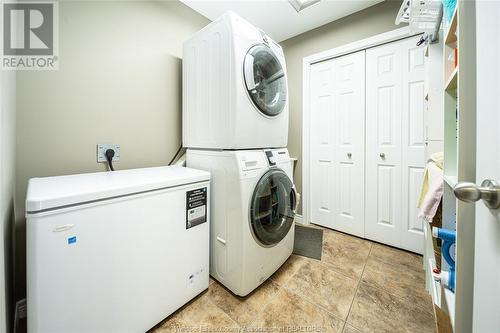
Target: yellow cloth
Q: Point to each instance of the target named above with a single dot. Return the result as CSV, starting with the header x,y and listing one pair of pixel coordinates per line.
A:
x,y
437,159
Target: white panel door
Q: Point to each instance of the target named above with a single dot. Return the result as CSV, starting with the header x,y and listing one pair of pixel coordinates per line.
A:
x,y
395,155
349,138
337,143
486,304
383,143
413,143
321,141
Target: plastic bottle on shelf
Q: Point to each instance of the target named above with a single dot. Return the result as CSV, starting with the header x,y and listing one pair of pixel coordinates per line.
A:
x,y
448,237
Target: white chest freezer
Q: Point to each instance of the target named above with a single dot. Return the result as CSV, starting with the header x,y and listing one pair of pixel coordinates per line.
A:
x,y
115,251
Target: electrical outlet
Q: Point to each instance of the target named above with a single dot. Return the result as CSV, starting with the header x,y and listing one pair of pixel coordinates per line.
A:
x,y
101,152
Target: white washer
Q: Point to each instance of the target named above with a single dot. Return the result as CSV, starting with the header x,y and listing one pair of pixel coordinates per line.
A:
x,y
235,92
253,207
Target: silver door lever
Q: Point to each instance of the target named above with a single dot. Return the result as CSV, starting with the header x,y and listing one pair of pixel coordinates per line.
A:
x,y
489,191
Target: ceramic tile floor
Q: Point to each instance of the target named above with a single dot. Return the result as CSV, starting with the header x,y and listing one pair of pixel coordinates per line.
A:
x,y
358,287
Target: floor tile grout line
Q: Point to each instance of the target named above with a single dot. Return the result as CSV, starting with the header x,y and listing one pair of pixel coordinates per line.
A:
x,y
291,275
343,327
320,262
374,243
197,297
388,262
280,288
286,285
306,299
218,307
398,265
399,297
391,292
331,267
359,283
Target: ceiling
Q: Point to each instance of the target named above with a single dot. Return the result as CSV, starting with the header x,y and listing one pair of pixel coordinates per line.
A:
x,y
277,17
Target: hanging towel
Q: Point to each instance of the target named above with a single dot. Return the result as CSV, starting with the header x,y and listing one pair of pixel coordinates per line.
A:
x,y
437,159
433,178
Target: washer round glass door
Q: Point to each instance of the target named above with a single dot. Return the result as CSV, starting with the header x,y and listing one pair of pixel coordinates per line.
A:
x,y
272,209
265,80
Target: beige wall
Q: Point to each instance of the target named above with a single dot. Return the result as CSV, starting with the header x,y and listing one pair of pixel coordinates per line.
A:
x,y
119,82
372,21
7,179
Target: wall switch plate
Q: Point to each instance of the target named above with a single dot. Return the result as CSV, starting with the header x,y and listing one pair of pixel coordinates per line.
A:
x,y
101,152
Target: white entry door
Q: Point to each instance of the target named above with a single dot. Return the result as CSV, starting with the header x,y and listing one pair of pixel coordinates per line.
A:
x,y
337,109
486,304
395,156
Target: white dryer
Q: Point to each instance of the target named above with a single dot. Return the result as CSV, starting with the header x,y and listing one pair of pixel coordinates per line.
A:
x,y
253,204
235,92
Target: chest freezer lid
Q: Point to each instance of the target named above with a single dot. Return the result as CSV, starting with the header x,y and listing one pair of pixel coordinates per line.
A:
x,y
54,192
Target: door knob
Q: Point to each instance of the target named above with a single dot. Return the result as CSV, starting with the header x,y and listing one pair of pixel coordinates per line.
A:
x,y
489,191
349,155
382,155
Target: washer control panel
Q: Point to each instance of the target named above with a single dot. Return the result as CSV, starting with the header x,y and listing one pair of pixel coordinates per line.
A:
x,y
277,156
270,158
251,160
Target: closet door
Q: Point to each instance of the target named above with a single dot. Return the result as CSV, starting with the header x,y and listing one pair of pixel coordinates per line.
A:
x,y
349,127
413,143
337,143
322,147
383,143
394,143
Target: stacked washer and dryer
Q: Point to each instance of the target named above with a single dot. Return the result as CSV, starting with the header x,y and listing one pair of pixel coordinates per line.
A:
x,y
235,125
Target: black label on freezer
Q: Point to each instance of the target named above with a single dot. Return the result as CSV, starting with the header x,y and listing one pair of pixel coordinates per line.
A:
x,y
196,207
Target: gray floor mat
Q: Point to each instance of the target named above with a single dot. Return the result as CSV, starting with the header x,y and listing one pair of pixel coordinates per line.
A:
x,y
308,242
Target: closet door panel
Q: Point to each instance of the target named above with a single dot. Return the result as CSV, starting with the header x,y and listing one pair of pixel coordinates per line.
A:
x,y
349,97
322,144
337,143
413,148
368,143
383,144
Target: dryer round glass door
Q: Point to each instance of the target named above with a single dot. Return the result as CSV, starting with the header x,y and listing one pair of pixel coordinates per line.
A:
x,y
272,208
265,80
